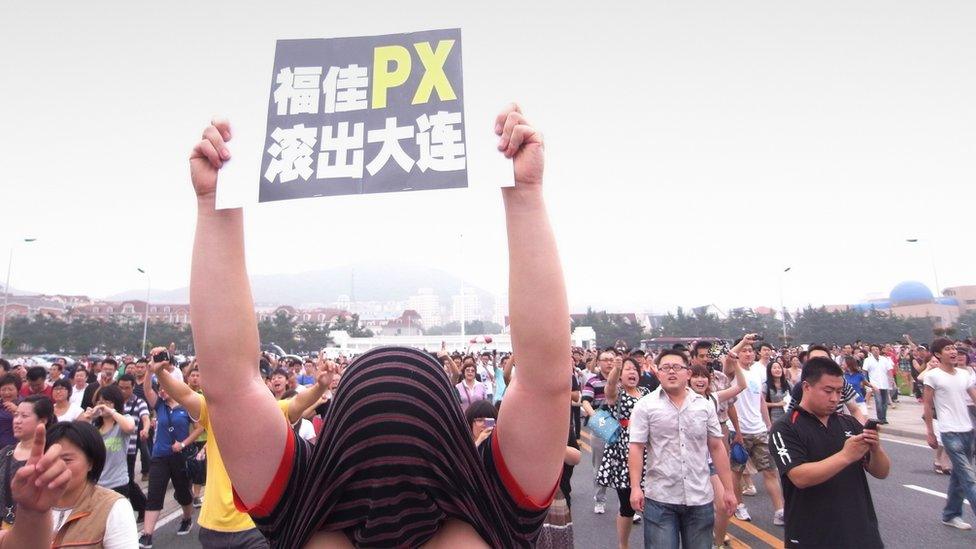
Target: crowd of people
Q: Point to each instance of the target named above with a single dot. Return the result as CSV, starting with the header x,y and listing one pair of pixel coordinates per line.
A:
x,y
463,448
692,427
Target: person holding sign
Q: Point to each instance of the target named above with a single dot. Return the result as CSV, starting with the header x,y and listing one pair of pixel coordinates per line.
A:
x,y
395,464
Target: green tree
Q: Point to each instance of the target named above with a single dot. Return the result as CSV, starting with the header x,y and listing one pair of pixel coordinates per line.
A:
x,y
312,336
609,328
351,326
279,329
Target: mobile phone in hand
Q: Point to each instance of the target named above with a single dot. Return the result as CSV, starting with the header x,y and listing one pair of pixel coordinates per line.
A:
x,y
489,423
872,424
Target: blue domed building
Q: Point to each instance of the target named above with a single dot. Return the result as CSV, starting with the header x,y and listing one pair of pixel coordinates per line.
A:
x,y
914,299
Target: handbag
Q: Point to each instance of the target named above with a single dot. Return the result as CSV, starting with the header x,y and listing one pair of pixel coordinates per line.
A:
x,y
738,454
605,426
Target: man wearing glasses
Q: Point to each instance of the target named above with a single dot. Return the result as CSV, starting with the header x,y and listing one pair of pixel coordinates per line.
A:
x,y
594,399
679,430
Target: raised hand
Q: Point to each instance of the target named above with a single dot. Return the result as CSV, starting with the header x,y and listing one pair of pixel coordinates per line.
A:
x,y
208,157
326,371
157,367
522,143
39,484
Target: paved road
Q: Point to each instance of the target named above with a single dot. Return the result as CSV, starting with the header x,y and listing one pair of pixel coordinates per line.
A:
x,y
908,504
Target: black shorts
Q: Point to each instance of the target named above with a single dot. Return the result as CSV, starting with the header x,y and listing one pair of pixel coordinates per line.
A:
x,y
161,471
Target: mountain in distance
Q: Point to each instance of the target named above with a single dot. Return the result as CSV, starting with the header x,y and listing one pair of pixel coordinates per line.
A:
x,y
361,282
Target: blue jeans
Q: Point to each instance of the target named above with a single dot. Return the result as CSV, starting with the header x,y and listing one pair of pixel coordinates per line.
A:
x,y
962,482
881,404
666,524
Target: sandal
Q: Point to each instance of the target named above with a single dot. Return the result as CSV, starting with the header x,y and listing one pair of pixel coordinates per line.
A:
x,y
938,469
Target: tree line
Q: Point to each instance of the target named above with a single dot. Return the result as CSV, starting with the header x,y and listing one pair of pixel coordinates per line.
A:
x,y
84,336
810,325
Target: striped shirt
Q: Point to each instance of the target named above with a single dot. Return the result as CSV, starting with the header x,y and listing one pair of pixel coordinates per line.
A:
x,y
393,462
593,390
137,409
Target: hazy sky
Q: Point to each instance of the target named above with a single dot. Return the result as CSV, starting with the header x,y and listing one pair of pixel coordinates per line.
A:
x,y
695,148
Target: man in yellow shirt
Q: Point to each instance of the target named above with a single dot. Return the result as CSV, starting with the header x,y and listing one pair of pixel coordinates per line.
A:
x,y
221,524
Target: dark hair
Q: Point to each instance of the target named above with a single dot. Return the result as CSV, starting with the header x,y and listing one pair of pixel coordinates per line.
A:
x,y
698,370
113,394
852,363
940,344
631,360
290,393
784,384
820,348
802,356
702,345
36,372
64,384
482,408
817,367
86,437
671,352
142,360
110,360
43,408
10,379
128,377
5,364
281,372
765,344
638,352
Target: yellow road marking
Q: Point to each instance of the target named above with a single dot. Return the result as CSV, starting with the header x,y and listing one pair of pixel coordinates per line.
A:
x,y
586,447
737,543
758,532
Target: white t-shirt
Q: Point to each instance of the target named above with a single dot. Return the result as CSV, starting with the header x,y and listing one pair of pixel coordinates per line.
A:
x,y
949,403
76,395
749,403
878,369
306,430
486,371
120,526
72,414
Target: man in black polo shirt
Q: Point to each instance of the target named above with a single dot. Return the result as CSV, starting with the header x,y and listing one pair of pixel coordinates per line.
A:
x,y
822,456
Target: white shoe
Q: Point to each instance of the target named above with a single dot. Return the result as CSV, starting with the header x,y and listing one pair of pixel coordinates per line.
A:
x,y
637,519
957,522
600,508
742,513
749,490
778,518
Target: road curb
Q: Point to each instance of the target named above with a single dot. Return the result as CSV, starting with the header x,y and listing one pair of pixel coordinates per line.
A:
x,y
904,433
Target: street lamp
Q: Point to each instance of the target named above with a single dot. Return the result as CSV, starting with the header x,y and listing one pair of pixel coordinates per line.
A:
x,y
938,291
6,293
145,323
782,305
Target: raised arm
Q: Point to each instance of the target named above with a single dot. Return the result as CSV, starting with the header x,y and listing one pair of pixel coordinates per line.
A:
x,y
147,388
533,450
308,398
737,386
610,390
36,488
181,392
225,331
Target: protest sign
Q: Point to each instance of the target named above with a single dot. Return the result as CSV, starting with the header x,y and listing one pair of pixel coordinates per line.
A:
x,y
363,115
